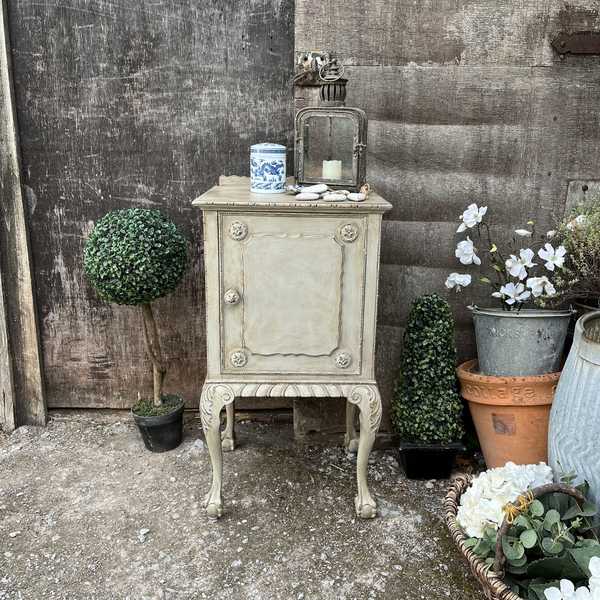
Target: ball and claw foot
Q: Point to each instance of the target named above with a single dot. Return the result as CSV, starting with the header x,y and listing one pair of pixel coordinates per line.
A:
x,y
214,505
227,442
351,443
365,510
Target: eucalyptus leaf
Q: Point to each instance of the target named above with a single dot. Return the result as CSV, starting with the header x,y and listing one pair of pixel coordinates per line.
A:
x,y
536,508
528,538
552,518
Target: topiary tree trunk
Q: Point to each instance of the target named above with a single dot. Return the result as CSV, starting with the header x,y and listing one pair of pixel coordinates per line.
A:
x,y
159,368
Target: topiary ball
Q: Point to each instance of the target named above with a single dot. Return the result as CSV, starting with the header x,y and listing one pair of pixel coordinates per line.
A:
x,y
135,256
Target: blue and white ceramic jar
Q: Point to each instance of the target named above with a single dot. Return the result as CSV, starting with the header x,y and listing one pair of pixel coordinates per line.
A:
x,y
267,168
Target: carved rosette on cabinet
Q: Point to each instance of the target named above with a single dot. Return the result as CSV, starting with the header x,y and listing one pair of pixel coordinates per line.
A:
x,y
238,231
343,360
348,232
238,359
231,296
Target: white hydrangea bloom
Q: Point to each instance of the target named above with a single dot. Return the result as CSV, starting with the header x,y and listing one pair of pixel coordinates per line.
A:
x,y
482,504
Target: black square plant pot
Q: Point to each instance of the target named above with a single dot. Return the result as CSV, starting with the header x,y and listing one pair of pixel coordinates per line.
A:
x,y
428,461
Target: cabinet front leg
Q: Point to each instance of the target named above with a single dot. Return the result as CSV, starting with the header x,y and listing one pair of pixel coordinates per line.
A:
x,y
368,401
351,437
228,434
212,400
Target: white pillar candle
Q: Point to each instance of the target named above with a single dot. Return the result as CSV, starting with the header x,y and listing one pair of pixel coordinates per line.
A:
x,y
332,169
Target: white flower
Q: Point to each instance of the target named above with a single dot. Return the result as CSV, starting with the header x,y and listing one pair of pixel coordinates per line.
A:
x,y
566,591
550,234
458,281
517,267
513,293
482,504
594,567
465,252
523,232
577,222
540,286
554,258
471,217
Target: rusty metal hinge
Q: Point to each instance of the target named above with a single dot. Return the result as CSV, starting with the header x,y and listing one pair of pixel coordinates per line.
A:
x,y
580,42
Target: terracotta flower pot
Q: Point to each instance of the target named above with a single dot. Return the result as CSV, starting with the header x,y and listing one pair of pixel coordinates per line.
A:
x,y
511,414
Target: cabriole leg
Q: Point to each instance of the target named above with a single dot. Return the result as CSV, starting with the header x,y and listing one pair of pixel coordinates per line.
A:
x,y
214,397
368,401
351,437
228,434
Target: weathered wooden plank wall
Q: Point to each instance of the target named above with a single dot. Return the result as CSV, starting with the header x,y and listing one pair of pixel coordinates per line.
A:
x,y
20,364
127,104
466,102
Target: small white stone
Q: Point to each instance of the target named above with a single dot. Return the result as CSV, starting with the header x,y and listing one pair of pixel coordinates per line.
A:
x,y
307,196
356,197
334,197
319,188
14,534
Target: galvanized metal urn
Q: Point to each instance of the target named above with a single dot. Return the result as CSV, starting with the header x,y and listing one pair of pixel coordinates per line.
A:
x,y
574,433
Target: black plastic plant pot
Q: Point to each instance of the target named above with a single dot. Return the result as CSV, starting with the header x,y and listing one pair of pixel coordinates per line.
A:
x,y
428,461
164,432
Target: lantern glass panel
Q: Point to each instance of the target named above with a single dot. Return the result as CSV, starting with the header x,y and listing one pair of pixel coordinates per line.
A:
x,y
328,148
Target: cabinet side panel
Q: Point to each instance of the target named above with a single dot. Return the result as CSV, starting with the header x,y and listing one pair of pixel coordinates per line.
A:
x,y
370,294
211,279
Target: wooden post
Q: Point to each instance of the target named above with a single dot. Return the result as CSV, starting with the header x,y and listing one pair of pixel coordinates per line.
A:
x,y
21,383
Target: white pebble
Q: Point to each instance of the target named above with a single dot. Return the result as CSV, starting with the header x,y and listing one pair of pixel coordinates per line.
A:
x,y
307,196
319,188
356,197
334,197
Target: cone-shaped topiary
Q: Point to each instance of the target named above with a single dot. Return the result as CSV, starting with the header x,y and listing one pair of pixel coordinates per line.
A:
x,y
426,406
135,256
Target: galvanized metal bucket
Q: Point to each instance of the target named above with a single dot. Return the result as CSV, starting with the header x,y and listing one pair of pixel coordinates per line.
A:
x,y
520,343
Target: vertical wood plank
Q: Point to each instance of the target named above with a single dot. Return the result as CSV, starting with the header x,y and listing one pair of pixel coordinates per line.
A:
x,y
20,364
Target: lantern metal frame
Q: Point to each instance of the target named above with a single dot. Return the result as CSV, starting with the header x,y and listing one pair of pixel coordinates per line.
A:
x,y
359,149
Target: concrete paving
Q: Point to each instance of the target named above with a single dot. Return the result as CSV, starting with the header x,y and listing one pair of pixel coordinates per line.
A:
x,y
87,513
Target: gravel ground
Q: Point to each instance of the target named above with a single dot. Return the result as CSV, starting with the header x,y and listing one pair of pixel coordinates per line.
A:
x,y
87,513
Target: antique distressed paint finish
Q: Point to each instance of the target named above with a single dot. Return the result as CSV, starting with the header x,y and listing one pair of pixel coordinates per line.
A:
x,y
291,300
467,102
144,104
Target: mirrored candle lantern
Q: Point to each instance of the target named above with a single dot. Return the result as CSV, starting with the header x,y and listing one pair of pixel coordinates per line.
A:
x,y
331,139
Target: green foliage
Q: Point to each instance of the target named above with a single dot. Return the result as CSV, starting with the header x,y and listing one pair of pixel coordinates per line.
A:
x,y
146,408
135,256
426,406
552,539
579,233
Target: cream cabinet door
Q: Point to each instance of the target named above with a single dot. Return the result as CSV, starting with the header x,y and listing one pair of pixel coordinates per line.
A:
x,y
292,293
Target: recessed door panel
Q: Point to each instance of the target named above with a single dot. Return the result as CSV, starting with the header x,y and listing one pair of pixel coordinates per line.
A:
x,y
292,292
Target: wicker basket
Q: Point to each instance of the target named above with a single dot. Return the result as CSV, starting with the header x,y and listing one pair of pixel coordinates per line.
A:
x,y
491,578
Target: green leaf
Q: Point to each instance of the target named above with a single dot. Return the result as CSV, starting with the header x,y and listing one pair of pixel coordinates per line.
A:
x,y
551,546
552,518
528,538
556,567
512,550
582,557
536,508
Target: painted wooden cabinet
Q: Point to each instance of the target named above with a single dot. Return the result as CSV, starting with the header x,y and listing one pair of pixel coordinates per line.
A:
x,y
291,302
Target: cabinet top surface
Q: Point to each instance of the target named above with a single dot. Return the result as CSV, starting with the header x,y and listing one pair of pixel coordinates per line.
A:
x,y
234,194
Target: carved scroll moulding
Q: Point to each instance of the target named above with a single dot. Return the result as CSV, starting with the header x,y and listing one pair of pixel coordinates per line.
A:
x,y
238,231
238,358
348,232
343,360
